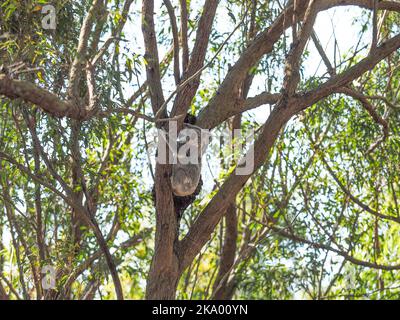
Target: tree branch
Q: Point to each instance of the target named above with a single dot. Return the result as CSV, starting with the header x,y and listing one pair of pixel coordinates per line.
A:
x,y
196,62
175,35
79,62
227,98
46,100
334,84
151,56
184,35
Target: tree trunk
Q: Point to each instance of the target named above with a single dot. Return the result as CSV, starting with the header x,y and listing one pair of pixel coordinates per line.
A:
x,y
164,272
162,279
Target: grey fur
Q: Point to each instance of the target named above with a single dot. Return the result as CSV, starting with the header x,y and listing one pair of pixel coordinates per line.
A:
x,y
186,176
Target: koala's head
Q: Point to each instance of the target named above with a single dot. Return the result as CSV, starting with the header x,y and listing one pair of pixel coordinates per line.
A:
x,y
194,136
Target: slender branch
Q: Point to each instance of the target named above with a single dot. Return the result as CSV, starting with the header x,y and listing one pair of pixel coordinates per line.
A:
x,y
197,57
292,67
79,62
196,74
221,289
334,84
355,199
184,35
175,35
116,34
151,56
131,242
344,254
323,55
372,112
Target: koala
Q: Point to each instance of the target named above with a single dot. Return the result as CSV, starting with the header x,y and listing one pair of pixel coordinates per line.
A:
x,y
192,142
185,178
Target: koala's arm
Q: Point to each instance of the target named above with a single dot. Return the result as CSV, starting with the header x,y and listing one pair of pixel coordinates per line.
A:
x,y
185,178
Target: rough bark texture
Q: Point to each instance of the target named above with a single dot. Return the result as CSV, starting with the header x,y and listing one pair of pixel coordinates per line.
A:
x,y
29,92
222,290
164,271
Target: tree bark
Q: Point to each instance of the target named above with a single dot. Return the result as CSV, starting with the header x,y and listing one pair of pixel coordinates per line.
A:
x,y
222,289
164,270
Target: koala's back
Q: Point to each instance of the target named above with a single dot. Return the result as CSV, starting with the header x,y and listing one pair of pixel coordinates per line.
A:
x,y
185,178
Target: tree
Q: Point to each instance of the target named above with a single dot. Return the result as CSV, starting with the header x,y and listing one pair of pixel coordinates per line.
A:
x,y
71,179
